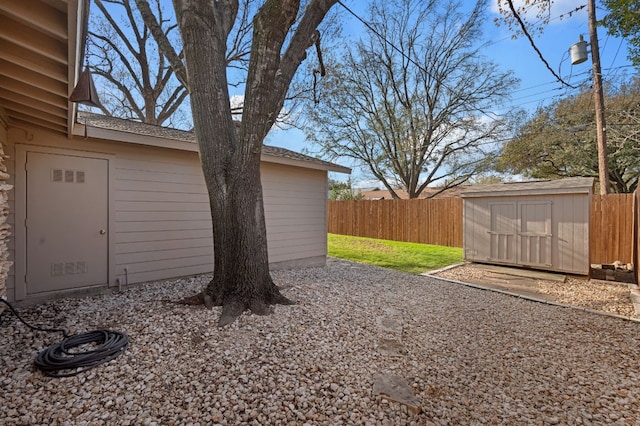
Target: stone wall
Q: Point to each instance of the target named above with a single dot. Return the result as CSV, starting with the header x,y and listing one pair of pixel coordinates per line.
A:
x,y
5,264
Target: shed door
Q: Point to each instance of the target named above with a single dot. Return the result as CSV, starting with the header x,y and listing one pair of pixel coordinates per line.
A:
x,y
503,232
535,233
67,217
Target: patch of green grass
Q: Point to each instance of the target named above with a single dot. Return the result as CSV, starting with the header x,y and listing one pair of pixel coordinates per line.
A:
x,y
409,257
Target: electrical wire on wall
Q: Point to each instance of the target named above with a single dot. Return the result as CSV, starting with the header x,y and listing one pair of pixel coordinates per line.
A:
x,y
77,353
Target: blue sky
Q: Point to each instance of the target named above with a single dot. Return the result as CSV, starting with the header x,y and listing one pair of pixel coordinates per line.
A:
x,y
538,86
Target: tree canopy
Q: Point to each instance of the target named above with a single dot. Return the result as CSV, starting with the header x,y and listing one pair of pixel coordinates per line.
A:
x,y
412,99
134,78
623,20
560,140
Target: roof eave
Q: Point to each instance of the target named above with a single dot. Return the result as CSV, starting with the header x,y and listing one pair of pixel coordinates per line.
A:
x,y
94,132
306,164
87,131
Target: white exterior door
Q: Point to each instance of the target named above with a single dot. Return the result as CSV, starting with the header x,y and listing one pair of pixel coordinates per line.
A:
x,y
66,222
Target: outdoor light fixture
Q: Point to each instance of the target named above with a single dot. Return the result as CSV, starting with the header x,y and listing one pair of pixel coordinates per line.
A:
x,y
85,90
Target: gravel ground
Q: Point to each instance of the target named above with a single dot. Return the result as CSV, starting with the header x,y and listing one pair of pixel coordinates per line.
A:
x,y
472,357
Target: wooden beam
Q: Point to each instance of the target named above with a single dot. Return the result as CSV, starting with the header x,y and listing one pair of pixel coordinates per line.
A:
x,y
25,121
31,92
13,53
26,111
43,18
58,110
31,78
35,41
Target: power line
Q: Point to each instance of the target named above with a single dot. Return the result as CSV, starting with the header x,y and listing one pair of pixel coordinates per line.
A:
x,y
513,100
526,33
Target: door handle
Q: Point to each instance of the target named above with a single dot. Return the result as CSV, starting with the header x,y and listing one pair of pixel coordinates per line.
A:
x,y
103,231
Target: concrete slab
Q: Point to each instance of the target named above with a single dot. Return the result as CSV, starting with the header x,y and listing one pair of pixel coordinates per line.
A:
x,y
512,280
518,272
396,389
390,347
512,288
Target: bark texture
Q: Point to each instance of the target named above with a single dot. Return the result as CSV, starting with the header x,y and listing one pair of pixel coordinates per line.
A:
x,y
230,154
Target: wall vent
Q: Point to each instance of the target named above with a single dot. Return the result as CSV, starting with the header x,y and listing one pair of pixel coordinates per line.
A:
x,y
68,268
57,269
68,176
56,175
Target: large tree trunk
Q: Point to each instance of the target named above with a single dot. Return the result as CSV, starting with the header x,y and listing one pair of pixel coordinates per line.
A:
x,y
231,165
241,278
230,153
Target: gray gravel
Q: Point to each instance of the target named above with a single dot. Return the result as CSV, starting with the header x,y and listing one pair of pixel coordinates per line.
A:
x,y
472,357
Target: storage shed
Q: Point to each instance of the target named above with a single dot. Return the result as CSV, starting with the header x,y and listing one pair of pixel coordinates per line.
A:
x,y
537,224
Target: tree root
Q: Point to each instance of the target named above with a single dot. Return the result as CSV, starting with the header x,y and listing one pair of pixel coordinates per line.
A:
x,y
234,306
230,311
195,300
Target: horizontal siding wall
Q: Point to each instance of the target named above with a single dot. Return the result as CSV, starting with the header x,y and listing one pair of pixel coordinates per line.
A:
x,y
295,212
163,219
162,216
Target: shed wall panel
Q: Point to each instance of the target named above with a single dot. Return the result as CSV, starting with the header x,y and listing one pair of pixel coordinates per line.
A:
x,y
566,251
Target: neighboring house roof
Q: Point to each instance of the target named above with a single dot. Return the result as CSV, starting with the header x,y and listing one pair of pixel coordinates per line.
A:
x,y
574,185
41,45
386,195
123,130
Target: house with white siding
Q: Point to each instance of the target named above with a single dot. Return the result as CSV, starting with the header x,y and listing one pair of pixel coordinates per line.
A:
x,y
99,202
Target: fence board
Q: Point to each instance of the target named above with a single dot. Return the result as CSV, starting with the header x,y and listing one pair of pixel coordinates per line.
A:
x,y
439,221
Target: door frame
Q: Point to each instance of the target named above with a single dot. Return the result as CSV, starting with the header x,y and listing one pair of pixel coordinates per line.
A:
x,y
20,231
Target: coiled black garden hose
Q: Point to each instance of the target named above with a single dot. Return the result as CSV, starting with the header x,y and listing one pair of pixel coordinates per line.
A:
x,y
64,359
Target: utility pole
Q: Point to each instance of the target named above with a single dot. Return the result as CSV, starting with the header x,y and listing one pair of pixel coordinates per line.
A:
x,y
598,98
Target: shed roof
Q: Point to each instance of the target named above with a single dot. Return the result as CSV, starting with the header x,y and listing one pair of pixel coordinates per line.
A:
x,y
123,130
574,185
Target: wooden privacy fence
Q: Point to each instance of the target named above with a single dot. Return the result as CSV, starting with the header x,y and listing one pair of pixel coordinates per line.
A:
x,y
439,221
611,228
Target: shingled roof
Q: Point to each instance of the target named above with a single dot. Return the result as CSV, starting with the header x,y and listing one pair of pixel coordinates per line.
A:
x,y
570,185
136,128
